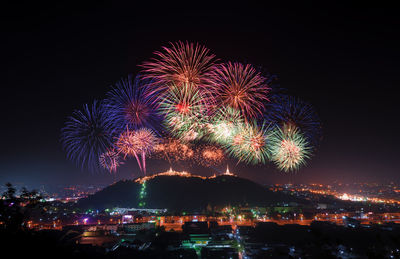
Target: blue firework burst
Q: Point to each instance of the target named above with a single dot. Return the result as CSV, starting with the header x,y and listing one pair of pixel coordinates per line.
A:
x,y
87,134
130,104
289,110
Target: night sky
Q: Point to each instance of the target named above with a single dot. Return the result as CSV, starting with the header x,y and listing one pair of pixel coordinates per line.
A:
x,y
342,59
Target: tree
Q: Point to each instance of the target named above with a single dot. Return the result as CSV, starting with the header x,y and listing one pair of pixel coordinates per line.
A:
x,y
15,211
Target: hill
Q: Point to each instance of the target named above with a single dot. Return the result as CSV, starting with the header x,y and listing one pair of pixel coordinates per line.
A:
x,y
184,193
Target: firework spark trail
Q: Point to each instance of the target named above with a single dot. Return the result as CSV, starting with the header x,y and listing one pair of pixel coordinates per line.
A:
x,y
87,134
146,141
240,87
289,148
127,145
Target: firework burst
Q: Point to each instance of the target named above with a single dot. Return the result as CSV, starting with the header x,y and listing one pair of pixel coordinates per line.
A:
x,y
131,105
250,143
289,148
181,63
240,87
134,143
225,124
185,111
110,161
173,150
126,143
290,110
87,134
205,111
209,156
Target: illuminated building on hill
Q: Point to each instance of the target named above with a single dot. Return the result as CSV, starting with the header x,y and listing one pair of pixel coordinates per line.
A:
x,y
171,172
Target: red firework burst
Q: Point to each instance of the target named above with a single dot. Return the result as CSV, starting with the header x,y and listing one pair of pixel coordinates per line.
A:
x,y
240,87
110,161
173,150
210,155
180,63
127,144
135,143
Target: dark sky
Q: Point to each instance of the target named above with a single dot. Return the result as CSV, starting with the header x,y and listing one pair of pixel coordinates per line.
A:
x,y
342,59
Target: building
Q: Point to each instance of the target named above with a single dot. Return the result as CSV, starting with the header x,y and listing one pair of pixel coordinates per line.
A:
x,y
134,227
193,227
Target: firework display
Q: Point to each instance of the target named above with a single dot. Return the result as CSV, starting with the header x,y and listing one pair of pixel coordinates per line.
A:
x,y
184,106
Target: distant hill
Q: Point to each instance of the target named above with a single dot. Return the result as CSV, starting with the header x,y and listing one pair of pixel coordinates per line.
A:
x,y
184,193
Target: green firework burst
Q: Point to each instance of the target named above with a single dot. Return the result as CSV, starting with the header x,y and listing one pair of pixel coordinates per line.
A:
x,y
250,143
186,112
225,125
289,148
